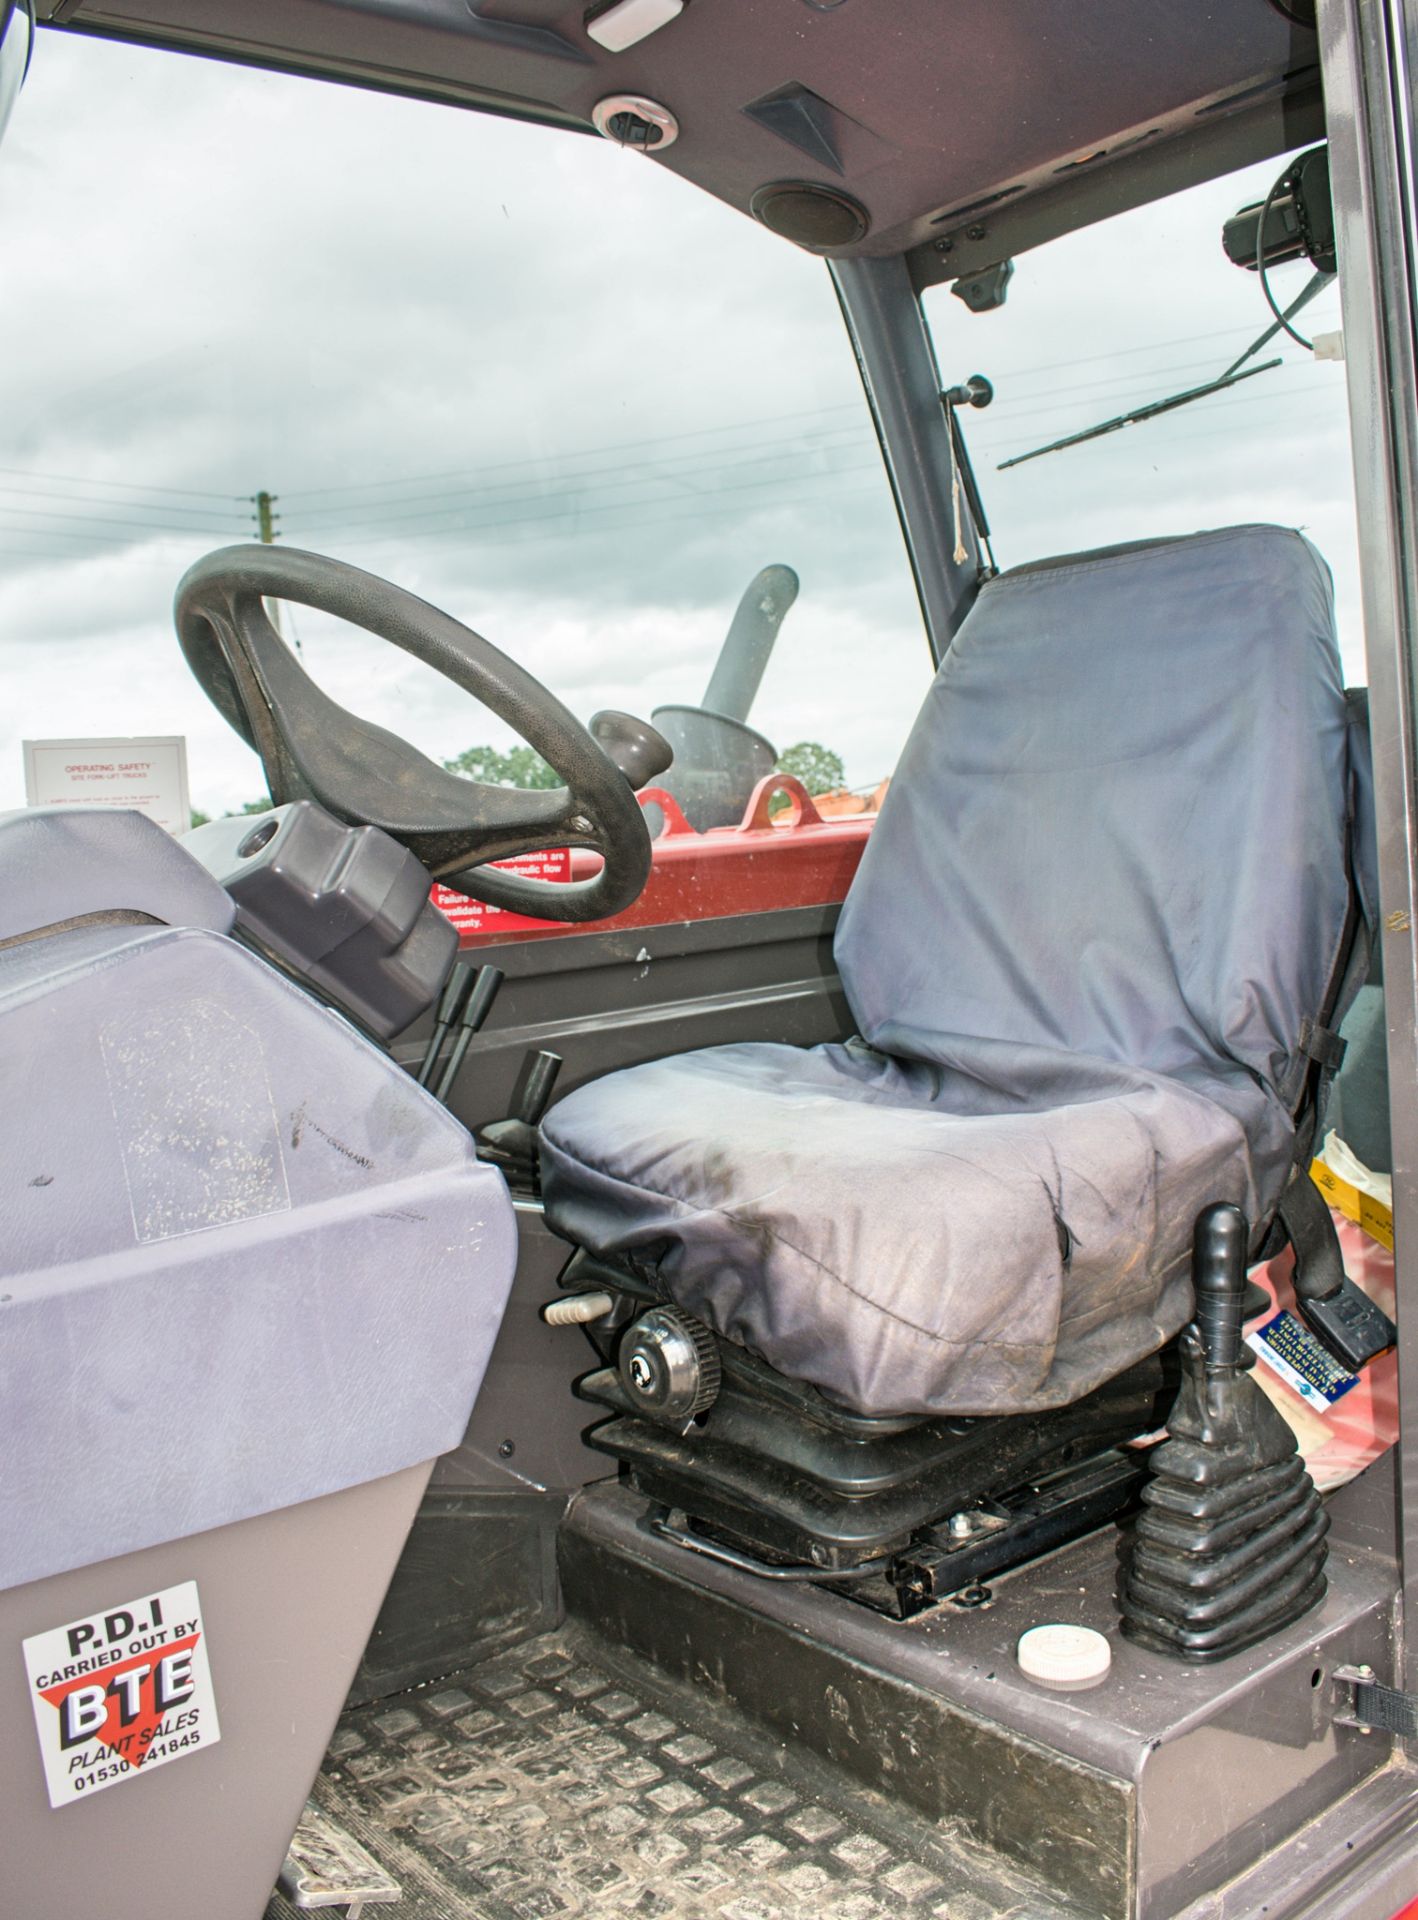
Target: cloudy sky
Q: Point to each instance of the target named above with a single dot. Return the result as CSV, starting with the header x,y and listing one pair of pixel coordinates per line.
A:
x,y
551,389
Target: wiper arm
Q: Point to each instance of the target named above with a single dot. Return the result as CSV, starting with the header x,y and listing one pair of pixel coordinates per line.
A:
x,y
1229,378
1149,412
1303,298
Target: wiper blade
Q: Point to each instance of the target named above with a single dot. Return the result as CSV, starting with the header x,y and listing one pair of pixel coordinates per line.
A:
x,y
1149,412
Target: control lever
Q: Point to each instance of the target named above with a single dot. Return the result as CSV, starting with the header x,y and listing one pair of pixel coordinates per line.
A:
x,y
450,1004
476,1009
512,1144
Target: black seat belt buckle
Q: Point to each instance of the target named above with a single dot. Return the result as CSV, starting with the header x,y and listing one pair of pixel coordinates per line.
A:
x,y
1349,1324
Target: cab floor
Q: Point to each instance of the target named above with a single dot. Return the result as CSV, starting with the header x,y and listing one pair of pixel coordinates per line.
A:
x,y
568,1778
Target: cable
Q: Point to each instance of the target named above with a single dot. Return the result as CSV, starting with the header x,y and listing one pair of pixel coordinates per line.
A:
x,y
103,520
579,511
614,446
496,495
127,486
660,440
209,514
1270,299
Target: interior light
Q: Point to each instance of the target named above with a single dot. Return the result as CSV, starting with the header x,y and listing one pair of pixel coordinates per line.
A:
x,y
624,23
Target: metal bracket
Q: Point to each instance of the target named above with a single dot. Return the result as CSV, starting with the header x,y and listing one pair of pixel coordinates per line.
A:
x,y
1376,1708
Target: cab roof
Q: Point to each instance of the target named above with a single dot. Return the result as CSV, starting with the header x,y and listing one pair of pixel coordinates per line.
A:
x,y
967,130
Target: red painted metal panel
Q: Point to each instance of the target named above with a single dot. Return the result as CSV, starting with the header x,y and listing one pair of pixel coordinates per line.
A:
x,y
792,859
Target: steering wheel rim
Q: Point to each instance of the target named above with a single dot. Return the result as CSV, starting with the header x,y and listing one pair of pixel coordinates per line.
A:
x,y
313,749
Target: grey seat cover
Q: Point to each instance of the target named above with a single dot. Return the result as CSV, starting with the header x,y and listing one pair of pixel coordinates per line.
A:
x,y
1107,890
245,1260
67,863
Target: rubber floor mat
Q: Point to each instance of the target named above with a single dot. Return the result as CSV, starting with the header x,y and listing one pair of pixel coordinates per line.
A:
x,y
567,1779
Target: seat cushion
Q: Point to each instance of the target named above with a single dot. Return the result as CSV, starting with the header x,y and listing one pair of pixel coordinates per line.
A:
x,y
927,1237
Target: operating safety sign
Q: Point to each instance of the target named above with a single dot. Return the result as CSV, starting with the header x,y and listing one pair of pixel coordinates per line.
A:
x,y
121,1692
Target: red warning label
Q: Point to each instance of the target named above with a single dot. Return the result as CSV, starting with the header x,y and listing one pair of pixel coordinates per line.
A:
x,y
475,916
121,1692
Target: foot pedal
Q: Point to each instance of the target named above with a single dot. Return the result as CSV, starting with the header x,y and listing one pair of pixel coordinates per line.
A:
x,y
327,1867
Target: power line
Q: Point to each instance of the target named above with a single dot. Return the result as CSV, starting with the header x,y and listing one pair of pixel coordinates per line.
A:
x,y
659,440
129,486
576,509
614,446
103,520
474,499
69,497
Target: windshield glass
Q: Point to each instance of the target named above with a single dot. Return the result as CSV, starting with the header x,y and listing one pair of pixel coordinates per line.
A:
x,y
529,376
1131,311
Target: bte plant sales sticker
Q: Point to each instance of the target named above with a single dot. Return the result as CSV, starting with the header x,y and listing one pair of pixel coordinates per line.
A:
x,y
122,1692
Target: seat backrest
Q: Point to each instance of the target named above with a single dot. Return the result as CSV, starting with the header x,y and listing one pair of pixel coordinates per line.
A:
x,y
1118,828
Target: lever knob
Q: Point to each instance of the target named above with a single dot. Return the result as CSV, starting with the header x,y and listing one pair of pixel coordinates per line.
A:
x,y
637,748
536,1088
1219,1246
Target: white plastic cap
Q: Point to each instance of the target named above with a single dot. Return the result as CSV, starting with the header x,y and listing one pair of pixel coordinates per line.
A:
x,y
630,21
1064,1657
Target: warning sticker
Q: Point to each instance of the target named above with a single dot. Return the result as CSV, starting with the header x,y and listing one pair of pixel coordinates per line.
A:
x,y
120,1692
476,916
1292,1351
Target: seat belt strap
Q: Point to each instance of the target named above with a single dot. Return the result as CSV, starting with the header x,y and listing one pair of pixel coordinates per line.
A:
x,y
1342,1318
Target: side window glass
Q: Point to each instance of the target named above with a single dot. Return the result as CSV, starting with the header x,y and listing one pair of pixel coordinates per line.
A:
x,y
1131,311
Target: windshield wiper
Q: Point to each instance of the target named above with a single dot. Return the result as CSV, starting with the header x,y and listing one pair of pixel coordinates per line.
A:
x,y
1236,372
1149,412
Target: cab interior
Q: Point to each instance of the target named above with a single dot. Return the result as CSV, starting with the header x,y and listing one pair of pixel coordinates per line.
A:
x,y
641,1357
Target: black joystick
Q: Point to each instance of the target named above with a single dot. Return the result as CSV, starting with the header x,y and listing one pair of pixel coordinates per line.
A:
x,y
1230,1544
513,1144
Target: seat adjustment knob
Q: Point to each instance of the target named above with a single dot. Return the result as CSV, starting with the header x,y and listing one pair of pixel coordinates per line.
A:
x,y
669,1365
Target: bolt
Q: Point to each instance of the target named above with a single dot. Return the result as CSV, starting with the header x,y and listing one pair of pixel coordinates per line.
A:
x,y
580,824
507,1449
945,246
975,232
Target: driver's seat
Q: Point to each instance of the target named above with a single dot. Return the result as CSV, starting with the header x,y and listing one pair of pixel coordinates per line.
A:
x,y
1094,950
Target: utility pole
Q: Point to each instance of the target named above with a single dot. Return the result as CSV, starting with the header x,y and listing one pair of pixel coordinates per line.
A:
x,y
265,519
266,533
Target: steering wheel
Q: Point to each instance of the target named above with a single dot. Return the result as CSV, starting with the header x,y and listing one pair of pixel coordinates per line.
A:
x,y
312,749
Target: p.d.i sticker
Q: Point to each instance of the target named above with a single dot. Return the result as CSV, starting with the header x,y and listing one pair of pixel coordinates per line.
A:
x,y
122,1692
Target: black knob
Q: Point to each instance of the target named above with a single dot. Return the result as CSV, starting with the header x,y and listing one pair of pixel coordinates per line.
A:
x,y
542,1070
1220,1243
634,745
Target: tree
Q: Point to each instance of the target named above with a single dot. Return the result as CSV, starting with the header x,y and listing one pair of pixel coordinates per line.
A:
x,y
818,767
263,805
518,767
